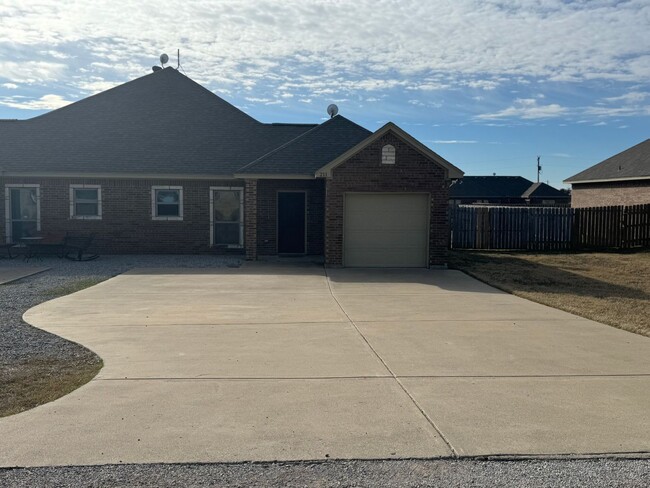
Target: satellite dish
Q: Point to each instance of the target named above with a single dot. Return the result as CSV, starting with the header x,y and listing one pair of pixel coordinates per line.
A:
x,y
163,58
156,68
332,110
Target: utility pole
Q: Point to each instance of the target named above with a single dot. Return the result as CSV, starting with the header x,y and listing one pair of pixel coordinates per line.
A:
x,y
539,169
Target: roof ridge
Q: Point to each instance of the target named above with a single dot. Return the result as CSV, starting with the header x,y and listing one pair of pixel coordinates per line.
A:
x,y
168,70
286,144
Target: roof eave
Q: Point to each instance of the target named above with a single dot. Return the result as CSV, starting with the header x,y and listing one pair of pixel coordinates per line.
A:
x,y
572,181
272,176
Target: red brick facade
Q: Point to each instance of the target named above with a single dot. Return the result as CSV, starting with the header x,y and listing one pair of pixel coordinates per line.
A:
x,y
126,225
364,172
612,193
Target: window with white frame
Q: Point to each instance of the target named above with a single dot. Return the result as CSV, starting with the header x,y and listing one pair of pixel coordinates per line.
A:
x,y
22,211
388,154
167,202
85,202
227,219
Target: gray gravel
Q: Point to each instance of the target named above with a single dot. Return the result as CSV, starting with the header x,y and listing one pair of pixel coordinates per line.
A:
x,y
20,342
592,473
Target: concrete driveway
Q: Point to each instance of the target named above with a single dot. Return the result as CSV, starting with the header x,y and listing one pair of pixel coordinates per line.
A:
x,y
285,363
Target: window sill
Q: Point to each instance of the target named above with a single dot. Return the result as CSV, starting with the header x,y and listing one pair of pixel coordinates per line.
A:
x,y
167,218
86,217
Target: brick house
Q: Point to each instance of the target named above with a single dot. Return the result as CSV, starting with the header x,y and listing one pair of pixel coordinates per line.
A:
x,y
623,179
162,165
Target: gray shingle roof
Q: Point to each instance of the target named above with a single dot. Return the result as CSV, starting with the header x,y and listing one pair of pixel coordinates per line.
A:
x,y
311,150
502,187
489,187
630,164
542,190
161,123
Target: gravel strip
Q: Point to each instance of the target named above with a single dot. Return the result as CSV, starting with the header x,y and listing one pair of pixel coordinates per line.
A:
x,y
592,473
20,342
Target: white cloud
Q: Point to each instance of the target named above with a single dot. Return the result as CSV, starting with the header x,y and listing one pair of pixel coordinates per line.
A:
x,y
454,141
273,49
46,102
526,108
10,86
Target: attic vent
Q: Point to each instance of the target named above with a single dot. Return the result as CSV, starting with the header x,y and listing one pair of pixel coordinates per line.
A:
x,y
388,154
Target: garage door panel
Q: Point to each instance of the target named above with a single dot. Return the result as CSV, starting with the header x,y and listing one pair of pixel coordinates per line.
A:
x,y
389,229
406,239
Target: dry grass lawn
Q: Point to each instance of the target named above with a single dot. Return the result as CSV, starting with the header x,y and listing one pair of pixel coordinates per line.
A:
x,y
612,288
27,385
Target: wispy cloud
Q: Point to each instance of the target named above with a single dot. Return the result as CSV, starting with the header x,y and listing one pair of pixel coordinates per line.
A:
x,y
526,108
454,141
46,102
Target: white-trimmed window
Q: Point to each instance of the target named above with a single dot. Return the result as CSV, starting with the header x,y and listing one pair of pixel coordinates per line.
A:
x,y
86,202
167,202
227,216
388,154
22,211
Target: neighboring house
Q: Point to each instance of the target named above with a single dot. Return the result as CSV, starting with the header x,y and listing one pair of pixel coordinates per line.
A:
x,y
162,165
623,179
505,190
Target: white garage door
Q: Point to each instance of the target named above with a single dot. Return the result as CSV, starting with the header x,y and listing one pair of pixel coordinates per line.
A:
x,y
386,230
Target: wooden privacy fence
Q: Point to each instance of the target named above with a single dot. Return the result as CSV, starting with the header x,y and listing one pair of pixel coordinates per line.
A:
x,y
549,228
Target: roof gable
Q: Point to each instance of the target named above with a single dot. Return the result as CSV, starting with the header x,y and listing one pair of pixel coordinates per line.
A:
x,y
631,164
451,170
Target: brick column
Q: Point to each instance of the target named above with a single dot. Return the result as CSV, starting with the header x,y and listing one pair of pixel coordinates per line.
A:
x,y
250,219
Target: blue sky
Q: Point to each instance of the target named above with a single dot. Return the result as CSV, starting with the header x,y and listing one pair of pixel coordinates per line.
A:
x,y
490,85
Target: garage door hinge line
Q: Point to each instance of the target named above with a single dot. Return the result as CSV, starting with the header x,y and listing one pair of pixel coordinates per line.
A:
x,y
393,375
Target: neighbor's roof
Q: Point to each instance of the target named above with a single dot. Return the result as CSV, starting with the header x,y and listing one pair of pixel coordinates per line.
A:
x,y
309,151
161,123
631,164
502,187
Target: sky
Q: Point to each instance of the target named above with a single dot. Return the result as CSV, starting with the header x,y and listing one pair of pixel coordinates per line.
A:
x,y
489,85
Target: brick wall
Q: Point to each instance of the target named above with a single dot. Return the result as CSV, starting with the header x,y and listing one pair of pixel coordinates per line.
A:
x,y
613,193
413,172
267,213
126,225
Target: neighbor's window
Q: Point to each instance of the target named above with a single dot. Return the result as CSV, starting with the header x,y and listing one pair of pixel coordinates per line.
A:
x,y
167,202
388,154
227,217
85,202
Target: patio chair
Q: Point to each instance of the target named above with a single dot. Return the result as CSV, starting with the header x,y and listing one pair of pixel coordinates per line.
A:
x,y
75,247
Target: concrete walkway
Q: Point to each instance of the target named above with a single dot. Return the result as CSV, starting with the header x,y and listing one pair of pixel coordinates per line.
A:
x,y
286,363
7,275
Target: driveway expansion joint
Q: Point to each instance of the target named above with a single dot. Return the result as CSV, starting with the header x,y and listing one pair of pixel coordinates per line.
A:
x,y
401,385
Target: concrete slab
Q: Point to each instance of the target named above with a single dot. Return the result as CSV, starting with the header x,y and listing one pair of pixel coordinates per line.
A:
x,y
262,279
507,348
316,350
314,388
436,306
148,421
107,307
366,281
531,416
7,275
